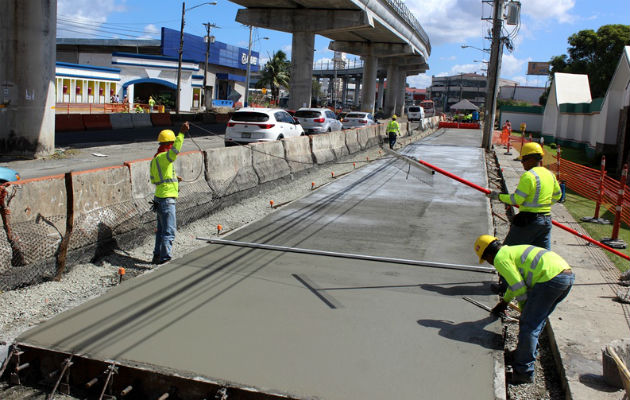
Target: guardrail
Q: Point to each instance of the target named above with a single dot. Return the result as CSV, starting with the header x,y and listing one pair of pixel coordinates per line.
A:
x,y
107,108
402,10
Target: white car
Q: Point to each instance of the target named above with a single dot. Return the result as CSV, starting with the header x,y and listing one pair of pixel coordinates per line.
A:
x,y
250,124
357,120
318,120
415,113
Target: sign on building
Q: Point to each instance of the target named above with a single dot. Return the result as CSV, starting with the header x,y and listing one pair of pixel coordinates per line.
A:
x,y
538,68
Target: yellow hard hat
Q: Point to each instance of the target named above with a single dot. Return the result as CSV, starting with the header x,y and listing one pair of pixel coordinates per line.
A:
x,y
531,148
394,116
166,135
482,243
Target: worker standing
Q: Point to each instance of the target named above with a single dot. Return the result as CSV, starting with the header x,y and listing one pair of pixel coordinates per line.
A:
x,y
392,130
166,191
538,279
537,190
151,104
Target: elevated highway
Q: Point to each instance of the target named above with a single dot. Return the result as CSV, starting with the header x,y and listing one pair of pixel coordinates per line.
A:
x,y
383,32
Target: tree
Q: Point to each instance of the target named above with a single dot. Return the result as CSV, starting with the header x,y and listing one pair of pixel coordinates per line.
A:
x,y
275,74
595,54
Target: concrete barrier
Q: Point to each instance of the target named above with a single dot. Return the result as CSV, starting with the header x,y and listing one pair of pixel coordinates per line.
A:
x,y
161,119
104,208
97,122
374,135
230,170
352,140
121,121
36,220
5,254
297,151
141,120
268,161
363,135
338,144
322,148
195,196
69,122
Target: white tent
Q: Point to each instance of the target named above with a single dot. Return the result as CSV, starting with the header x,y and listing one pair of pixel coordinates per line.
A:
x,y
464,105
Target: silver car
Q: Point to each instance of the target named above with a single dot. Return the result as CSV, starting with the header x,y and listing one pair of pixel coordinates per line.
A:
x,y
357,120
318,120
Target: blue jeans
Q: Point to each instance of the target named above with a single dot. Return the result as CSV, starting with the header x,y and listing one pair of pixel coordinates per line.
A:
x,y
166,228
392,139
537,233
542,299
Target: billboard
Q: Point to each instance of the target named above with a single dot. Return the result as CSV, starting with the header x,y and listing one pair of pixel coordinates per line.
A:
x,y
537,68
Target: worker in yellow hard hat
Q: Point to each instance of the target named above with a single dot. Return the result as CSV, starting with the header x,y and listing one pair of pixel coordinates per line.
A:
x,y
538,279
166,191
537,190
393,129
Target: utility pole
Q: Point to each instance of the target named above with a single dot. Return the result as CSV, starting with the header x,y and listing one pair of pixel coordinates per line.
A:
x,y
179,60
494,70
249,66
209,40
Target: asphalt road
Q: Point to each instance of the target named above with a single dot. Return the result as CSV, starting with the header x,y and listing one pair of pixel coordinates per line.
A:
x,y
316,326
78,151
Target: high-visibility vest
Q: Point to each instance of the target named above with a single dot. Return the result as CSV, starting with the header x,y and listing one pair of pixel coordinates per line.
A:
x,y
163,172
393,127
524,266
537,190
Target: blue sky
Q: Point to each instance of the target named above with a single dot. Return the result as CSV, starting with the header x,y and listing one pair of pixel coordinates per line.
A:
x,y
545,27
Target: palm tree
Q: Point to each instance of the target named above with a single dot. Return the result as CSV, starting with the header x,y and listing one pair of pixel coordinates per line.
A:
x,y
275,74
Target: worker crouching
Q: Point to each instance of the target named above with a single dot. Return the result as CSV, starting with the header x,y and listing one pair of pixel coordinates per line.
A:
x,y
538,279
166,191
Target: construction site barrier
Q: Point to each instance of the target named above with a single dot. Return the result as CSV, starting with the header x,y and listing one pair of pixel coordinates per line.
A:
x,y
90,108
363,136
322,148
230,170
374,134
96,121
338,144
268,161
459,125
121,121
298,154
70,122
161,119
352,140
141,120
52,223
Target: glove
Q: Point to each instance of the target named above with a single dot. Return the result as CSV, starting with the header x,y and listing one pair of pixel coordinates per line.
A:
x,y
499,308
493,195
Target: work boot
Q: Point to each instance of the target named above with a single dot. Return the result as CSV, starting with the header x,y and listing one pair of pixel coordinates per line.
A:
x,y
519,379
165,260
156,259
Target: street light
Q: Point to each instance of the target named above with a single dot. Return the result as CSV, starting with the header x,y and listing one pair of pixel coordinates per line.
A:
x,y
464,46
481,61
181,49
249,64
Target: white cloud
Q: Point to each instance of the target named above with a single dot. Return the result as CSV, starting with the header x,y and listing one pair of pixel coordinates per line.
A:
x,y
510,65
421,81
522,80
150,32
85,17
448,21
545,9
287,48
465,68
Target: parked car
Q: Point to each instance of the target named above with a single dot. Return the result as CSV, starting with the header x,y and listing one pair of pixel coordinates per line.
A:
x,y
318,120
357,120
415,113
249,125
8,175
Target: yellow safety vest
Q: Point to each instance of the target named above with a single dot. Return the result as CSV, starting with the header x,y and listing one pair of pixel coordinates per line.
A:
x,y
524,266
393,127
163,172
537,190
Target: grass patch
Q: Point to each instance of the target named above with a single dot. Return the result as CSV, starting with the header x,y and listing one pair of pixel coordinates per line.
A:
x,y
579,207
60,154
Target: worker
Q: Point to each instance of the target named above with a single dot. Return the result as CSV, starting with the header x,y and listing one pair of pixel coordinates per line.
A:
x,y
139,109
392,130
538,279
537,190
166,191
151,104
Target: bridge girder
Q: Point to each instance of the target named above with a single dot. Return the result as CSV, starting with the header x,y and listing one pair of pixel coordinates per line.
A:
x,y
305,20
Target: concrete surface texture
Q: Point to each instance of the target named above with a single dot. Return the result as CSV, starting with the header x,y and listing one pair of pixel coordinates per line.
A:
x,y
588,319
314,326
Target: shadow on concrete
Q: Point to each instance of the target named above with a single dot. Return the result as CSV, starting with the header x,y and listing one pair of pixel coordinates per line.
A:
x,y
595,381
459,289
469,332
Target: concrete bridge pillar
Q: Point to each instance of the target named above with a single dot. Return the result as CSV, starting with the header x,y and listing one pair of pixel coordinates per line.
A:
x,y
27,77
400,93
302,50
357,90
381,90
392,89
368,93
344,91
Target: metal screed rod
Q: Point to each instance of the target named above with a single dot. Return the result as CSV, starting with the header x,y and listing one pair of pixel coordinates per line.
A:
x,y
559,225
431,264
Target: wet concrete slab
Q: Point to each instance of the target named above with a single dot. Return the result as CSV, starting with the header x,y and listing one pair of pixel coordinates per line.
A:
x,y
314,326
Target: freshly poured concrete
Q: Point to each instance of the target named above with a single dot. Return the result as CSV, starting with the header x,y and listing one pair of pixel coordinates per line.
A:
x,y
314,326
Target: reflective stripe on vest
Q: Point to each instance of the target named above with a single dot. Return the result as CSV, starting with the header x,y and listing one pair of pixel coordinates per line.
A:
x,y
534,203
161,175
